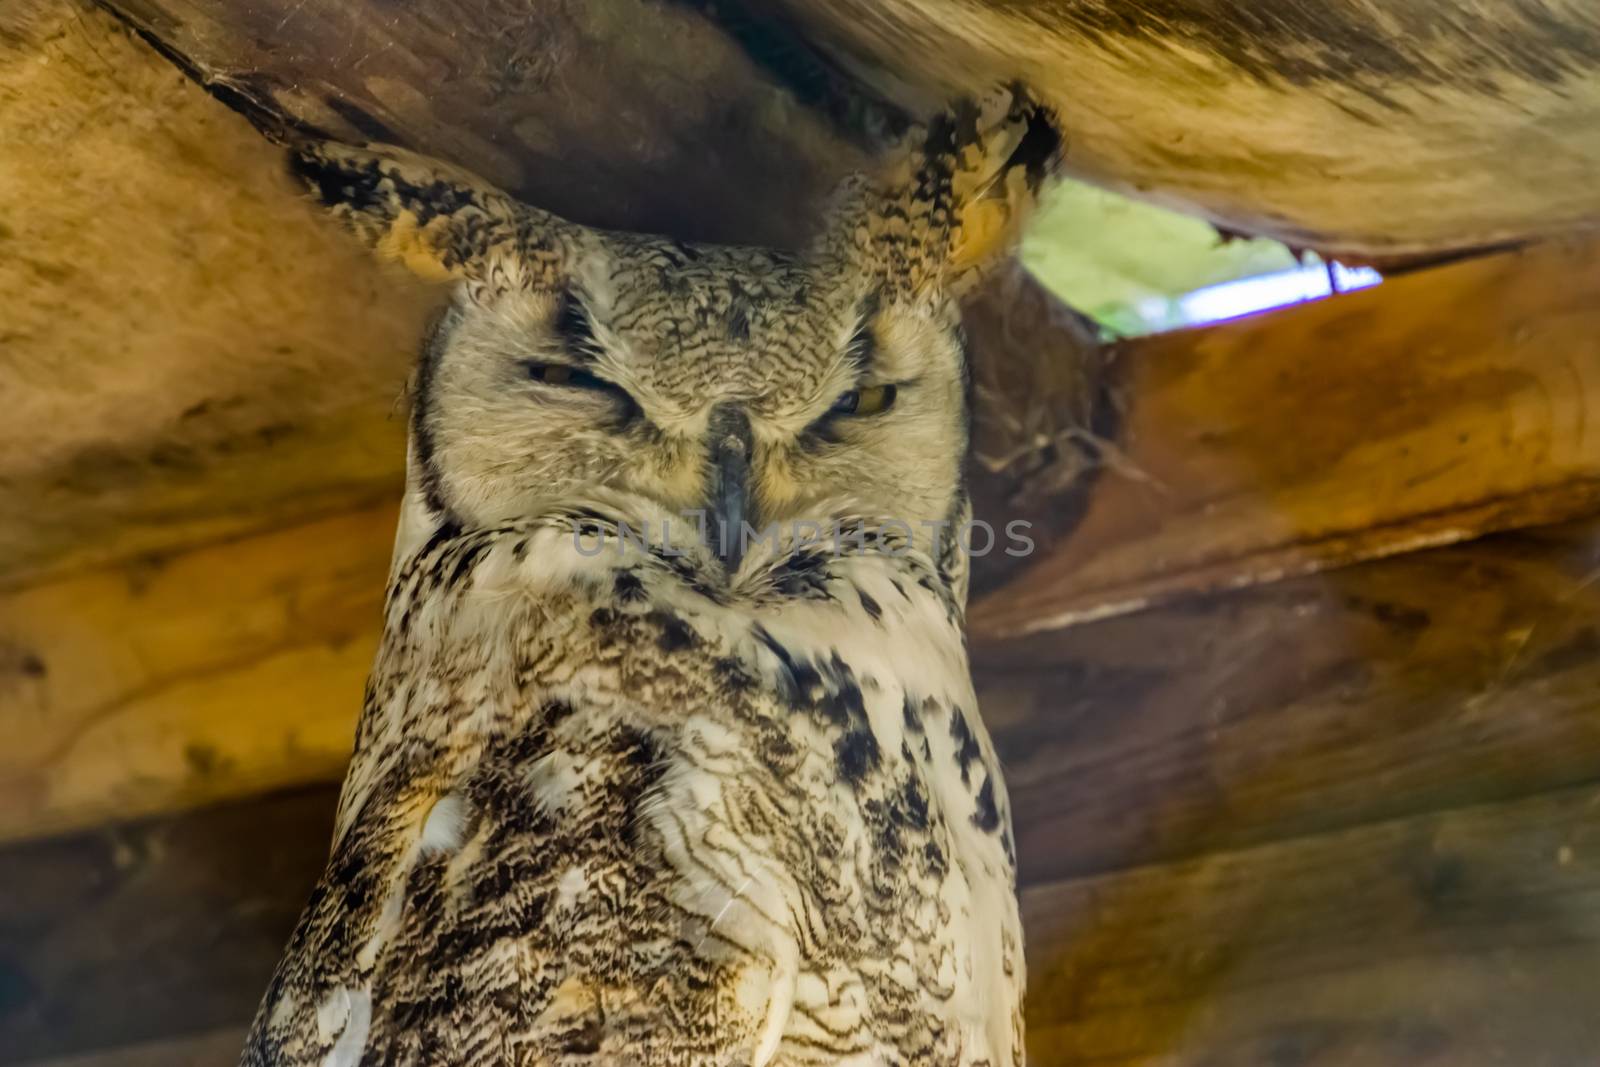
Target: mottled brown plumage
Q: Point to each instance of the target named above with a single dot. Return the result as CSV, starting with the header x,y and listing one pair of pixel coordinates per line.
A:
x,y
624,793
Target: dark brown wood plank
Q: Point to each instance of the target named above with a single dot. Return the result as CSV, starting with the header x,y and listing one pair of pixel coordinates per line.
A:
x,y
1448,677
1435,408
1464,938
622,113
158,930
1338,144
217,1048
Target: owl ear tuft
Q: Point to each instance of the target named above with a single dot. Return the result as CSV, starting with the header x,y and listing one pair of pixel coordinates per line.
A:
x,y
954,198
441,222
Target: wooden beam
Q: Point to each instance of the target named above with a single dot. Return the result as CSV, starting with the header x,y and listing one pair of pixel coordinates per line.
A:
x,y
620,113
1338,146
1464,938
1455,676
1434,408
187,350
1359,126
164,684
209,1049
156,931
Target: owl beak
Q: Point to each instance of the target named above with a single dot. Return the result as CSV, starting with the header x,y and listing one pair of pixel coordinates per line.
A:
x,y
728,510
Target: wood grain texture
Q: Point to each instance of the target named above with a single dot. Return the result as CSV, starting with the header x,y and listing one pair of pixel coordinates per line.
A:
x,y
163,684
1461,675
1463,938
156,931
216,1048
1358,126
187,351
1432,409
622,114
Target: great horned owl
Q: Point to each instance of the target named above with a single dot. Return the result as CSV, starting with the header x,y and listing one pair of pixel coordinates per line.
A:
x,y
629,788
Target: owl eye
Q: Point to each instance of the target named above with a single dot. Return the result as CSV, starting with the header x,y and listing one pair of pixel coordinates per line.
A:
x,y
572,377
874,400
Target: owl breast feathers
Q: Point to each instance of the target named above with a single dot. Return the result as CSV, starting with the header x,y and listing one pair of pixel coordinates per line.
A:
x,y
627,790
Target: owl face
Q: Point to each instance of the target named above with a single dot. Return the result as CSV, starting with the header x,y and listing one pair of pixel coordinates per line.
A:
x,y
743,387
743,391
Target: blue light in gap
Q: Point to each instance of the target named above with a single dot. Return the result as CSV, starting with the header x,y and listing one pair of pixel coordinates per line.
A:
x,y
1248,295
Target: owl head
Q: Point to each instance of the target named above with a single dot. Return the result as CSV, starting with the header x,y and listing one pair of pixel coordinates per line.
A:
x,y
654,381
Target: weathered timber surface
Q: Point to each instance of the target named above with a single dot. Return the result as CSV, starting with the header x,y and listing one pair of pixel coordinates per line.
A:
x,y
187,351
1467,938
216,1048
162,684
1431,409
623,114
1357,126
1459,675
154,931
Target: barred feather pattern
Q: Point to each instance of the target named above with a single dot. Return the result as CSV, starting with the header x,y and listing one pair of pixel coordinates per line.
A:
x,y
607,808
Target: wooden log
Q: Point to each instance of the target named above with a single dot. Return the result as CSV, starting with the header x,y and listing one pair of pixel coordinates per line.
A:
x,y
1455,676
215,1048
1434,408
187,350
156,931
1467,937
1354,126
621,114
166,684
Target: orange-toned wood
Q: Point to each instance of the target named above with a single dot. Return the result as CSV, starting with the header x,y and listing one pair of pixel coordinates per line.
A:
x,y
188,350
162,684
1432,409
